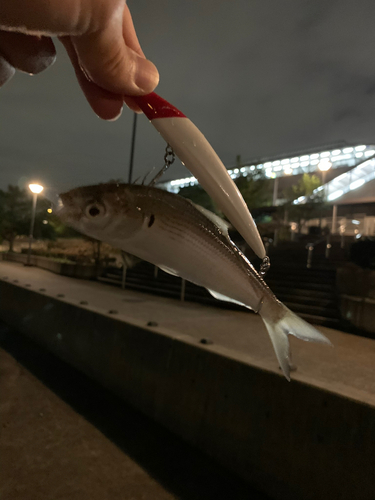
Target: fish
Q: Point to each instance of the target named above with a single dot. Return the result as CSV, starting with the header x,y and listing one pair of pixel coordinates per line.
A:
x,y
185,240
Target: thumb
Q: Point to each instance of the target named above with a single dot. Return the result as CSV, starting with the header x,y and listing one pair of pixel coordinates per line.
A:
x,y
107,60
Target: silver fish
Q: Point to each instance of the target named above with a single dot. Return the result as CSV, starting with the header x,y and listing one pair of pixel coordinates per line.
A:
x,y
185,240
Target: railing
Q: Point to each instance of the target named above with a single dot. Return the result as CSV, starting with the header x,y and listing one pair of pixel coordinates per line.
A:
x,y
156,272
311,246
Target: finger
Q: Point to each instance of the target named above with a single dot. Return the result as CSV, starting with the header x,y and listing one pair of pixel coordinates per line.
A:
x,y
28,53
6,71
132,105
106,105
129,34
111,64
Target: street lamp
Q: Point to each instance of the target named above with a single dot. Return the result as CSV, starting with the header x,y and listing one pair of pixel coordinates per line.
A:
x,y
324,166
35,189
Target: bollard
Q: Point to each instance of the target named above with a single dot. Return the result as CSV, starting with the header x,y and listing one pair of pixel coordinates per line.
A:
x,y
183,286
275,237
342,235
310,248
267,246
328,247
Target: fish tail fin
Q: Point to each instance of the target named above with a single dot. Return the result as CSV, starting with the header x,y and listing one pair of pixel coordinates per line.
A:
x,y
290,324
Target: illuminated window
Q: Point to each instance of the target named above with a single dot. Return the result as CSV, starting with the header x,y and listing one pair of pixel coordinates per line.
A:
x,y
335,195
357,184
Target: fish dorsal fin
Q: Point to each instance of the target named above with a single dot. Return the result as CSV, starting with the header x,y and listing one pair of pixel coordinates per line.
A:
x,y
220,296
168,270
218,221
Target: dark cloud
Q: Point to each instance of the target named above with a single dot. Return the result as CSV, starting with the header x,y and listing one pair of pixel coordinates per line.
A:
x,y
258,77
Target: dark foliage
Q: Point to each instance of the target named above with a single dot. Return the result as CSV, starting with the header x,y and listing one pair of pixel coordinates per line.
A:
x,y
15,215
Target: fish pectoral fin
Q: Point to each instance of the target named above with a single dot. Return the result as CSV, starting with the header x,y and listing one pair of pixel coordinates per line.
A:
x,y
220,296
168,270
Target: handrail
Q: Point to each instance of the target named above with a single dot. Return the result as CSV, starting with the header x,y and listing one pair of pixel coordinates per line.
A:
x,y
310,249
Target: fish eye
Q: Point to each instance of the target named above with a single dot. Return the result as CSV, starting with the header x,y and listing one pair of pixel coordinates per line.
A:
x,y
94,210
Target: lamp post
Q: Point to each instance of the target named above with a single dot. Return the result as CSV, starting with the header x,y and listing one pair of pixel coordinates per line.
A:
x,y
132,148
35,189
324,166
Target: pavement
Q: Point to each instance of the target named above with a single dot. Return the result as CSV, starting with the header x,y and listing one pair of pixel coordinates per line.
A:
x,y
347,369
65,437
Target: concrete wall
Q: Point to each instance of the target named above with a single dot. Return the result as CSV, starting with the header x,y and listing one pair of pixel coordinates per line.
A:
x,y
292,441
66,269
356,288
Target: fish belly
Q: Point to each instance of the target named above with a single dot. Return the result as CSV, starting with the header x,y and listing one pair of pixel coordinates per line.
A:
x,y
196,260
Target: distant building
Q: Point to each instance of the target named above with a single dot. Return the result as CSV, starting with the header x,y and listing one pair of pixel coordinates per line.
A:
x,y
343,169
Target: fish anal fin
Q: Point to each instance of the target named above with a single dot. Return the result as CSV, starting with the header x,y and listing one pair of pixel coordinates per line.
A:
x,y
220,296
168,270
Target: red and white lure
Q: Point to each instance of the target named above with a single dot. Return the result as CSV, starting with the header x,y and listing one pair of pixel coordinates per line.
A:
x,y
196,153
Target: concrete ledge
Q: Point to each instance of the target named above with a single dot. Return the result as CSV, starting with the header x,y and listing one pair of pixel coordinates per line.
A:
x,y
360,311
290,440
356,287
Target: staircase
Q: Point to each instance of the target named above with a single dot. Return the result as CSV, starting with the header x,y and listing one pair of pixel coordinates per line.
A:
x,y
142,278
308,292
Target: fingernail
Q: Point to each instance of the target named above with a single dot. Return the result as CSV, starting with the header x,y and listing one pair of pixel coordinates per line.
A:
x,y
115,117
146,75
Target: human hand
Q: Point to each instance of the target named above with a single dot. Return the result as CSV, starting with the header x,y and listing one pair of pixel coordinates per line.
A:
x,y
99,37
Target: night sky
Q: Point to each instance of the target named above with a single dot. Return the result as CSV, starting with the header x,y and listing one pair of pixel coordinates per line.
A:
x,y
259,78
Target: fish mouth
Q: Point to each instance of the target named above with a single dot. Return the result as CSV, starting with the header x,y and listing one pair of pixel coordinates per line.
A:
x,y
65,210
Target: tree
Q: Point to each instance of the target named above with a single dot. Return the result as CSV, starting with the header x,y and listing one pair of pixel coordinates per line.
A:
x,y
15,215
199,196
302,212
254,186
304,187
